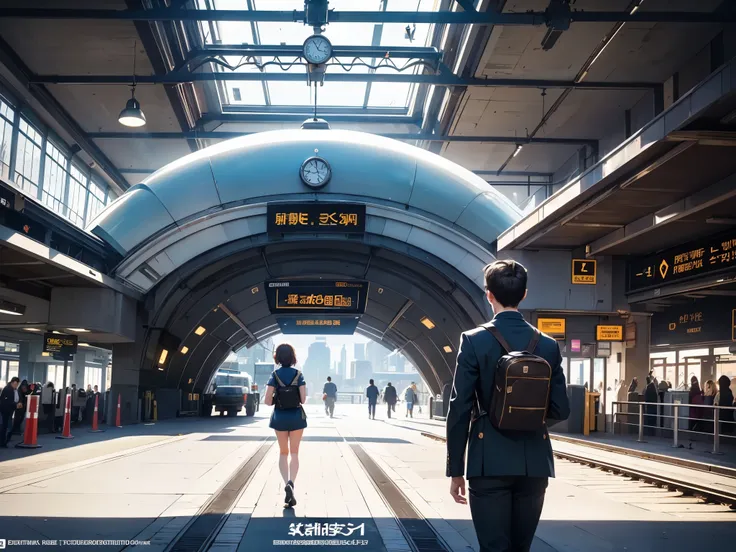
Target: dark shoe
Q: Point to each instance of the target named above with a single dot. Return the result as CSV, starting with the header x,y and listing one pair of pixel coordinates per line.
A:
x,y
289,500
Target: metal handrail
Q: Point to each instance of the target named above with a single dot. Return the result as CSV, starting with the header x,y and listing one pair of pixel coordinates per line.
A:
x,y
676,417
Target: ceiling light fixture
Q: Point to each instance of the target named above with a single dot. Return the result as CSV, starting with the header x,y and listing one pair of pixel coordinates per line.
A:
x,y
200,330
132,115
78,330
635,8
517,150
84,345
184,350
12,309
447,349
427,323
31,330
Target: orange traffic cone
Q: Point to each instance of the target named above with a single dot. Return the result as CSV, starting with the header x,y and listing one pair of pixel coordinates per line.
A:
x,y
117,416
95,428
67,431
30,435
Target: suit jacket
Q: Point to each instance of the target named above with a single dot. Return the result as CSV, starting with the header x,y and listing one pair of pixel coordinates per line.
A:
x,y
492,453
7,400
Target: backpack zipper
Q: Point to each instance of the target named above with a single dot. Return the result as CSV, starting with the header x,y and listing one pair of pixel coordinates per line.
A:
x,y
523,408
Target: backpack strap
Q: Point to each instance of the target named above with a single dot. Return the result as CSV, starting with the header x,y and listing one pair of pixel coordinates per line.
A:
x,y
295,381
534,342
278,379
497,334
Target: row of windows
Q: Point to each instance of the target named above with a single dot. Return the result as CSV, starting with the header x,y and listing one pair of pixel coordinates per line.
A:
x,y
46,171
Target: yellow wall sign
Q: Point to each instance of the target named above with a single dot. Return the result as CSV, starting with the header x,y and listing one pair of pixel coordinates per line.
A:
x,y
609,333
553,327
584,271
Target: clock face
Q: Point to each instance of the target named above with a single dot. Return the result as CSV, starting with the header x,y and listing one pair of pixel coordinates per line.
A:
x,y
317,49
315,172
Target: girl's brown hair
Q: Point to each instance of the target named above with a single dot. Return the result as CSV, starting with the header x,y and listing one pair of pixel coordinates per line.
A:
x,y
284,355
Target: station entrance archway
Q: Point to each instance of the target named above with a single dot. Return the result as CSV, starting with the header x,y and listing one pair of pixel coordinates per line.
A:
x,y
194,239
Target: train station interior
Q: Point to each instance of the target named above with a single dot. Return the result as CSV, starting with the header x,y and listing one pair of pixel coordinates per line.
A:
x,y
185,184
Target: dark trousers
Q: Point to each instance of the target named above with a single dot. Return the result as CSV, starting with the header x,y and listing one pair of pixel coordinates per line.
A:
x,y
391,406
371,409
506,511
6,421
18,418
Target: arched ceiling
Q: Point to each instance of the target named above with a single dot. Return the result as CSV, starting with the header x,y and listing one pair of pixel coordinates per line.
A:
x,y
194,238
223,292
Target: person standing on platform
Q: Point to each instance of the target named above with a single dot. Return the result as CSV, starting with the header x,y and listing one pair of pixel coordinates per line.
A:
x,y
416,396
286,391
20,413
9,403
410,398
330,395
507,470
372,393
390,397
725,398
695,397
650,396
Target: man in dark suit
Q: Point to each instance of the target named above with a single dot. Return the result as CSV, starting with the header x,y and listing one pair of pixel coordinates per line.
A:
x,y
9,403
507,471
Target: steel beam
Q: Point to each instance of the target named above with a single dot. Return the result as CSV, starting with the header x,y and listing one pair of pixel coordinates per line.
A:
x,y
15,65
403,17
301,117
684,208
269,50
443,79
226,135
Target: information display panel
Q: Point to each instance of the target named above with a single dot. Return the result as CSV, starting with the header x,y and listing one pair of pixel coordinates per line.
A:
x,y
316,218
317,297
318,325
553,327
708,320
697,258
63,345
609,332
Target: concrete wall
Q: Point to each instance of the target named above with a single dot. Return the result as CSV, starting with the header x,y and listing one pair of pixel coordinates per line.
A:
x,y
550,287
97,309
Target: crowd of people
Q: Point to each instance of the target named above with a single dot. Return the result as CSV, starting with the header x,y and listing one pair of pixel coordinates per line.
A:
x,y
14,404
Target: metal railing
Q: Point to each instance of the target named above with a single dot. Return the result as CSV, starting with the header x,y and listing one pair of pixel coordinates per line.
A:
x,y
720,417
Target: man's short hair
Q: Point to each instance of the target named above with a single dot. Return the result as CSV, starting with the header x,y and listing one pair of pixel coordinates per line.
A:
x,y
15,380
371,382
506,280
329,378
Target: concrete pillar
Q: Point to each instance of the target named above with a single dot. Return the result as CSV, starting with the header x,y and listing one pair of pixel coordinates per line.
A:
x,y
126,359
636,359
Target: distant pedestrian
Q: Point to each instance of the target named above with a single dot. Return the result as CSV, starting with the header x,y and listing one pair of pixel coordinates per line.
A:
x,y
416,395
9,403
20,413
372,393
710,390
634,385
410,398
286,391
725,398
650,396
329,393
390,397
695,397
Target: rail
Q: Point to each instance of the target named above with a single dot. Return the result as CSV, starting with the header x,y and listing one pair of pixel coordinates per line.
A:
x,y
718,420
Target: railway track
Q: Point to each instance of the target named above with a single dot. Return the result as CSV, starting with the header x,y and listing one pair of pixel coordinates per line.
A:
x,y
687,488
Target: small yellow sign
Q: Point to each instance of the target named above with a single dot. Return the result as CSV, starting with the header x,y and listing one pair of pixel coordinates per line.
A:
x,y
553,327
584,271
609,333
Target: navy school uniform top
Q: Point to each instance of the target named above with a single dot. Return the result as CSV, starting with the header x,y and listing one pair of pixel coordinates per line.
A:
x,y
290,419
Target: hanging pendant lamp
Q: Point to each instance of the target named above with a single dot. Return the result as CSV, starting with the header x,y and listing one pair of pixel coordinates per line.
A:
x,y
132,115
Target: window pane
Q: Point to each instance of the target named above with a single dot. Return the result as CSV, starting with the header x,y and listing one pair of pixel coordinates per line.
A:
x,y
28,162
92,376
77,196
95,199
54,181
6,134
